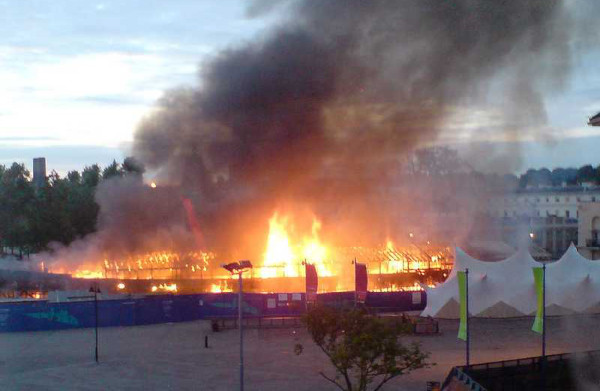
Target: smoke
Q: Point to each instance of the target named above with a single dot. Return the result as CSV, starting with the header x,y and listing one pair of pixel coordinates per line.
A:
x,y
322,116
133,218
325,108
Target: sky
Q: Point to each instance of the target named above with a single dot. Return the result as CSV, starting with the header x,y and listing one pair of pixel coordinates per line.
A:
x,y
77,76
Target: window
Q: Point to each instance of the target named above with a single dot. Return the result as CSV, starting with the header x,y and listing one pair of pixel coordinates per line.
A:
x,y
547,199
505,213
567,214
557,199
537,212
593,199
547,213
578,199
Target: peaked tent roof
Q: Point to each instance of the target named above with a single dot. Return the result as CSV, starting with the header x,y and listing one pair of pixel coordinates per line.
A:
x,y
506,288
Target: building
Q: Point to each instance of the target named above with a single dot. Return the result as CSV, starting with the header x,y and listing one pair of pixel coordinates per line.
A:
x,y
588,230
39,171
550,215
544,202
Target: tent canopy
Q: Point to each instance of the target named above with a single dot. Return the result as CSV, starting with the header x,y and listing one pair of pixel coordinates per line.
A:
x,y
506,288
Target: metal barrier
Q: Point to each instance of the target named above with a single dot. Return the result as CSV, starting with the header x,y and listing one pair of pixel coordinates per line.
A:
x,y
44,315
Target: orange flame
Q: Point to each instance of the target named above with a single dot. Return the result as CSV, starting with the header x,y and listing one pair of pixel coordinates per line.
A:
x,y
283,259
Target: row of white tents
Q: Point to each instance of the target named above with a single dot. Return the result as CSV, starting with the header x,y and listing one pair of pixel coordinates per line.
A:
x,y
504,289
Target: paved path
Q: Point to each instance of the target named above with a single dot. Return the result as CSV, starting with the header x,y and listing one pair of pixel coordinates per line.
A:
x,y
173,357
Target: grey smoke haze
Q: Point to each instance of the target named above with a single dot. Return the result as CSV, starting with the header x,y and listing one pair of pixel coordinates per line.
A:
x,y
322,108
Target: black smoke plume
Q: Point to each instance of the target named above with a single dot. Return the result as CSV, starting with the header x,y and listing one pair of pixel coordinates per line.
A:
x,y
323,109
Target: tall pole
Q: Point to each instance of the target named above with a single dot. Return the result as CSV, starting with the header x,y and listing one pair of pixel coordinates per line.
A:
x,y
544,327
355,293
468,331
96,312
241,331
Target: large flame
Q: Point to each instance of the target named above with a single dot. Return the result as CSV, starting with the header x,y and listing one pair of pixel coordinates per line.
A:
x,y
283,258
292,240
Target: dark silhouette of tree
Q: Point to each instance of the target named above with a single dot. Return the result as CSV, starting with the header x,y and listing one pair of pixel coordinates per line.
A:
x,y
61,210
587,173
112,170
91,176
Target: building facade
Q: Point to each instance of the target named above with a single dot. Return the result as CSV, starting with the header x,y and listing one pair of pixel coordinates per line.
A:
x,y
550,216
589,230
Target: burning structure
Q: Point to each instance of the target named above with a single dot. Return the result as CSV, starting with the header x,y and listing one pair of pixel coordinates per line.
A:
x,y
300,145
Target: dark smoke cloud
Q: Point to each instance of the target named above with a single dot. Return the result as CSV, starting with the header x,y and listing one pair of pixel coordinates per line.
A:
x,y
322,109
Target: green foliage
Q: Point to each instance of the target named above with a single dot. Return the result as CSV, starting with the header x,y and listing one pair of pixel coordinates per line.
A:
x,y
364,350
112,170
91,175
61,210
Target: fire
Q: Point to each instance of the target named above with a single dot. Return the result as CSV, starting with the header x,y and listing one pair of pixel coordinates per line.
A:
x,y
279,252
284,259
219,288
164,288
316,252
402,265
91,274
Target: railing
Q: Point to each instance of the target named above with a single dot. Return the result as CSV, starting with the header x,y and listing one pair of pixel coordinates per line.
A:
x,y
459,375
507,373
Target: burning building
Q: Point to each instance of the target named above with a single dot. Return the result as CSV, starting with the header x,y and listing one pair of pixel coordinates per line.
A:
x,y
299,146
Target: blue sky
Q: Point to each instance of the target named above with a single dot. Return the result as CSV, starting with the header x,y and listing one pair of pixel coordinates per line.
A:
x,y
77,76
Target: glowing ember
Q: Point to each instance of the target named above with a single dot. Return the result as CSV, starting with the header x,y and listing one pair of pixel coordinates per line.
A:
x,y
120,286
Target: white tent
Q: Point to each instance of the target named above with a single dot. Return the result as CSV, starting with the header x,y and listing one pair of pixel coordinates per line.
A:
x,y
506,288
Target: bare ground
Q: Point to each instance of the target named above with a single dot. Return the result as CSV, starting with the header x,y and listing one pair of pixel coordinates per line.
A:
x,y
173,357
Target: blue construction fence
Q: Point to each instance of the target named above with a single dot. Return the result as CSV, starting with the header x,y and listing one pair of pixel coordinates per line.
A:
x,y
44,315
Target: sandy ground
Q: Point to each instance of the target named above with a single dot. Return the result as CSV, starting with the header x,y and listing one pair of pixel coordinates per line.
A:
x,y
173,357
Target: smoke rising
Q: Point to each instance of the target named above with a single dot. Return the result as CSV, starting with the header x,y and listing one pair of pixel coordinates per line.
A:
x,y
323,114
323,108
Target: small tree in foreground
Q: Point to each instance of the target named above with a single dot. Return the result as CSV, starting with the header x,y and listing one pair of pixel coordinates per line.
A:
x,y
364,350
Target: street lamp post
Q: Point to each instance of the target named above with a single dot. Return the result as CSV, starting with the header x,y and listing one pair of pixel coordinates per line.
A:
x,y
239,268
96,289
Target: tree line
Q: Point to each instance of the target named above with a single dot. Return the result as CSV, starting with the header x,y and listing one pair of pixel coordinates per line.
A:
x,y
557,177
61,210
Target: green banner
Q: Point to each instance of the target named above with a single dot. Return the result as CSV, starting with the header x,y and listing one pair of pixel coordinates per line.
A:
x,y
538,276
462,295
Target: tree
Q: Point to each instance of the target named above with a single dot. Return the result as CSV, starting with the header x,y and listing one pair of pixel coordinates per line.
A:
x,y
364,350
586,174
91,176
112,170
74,177
16,194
